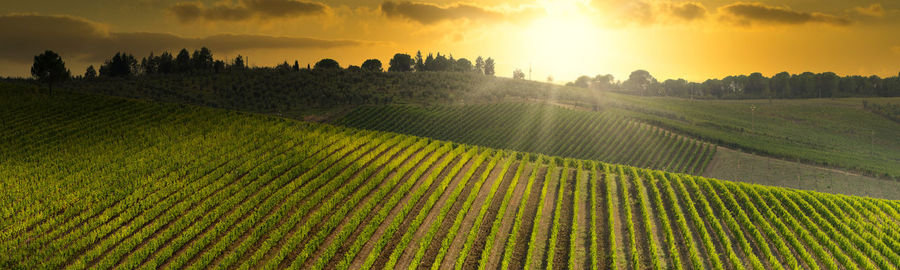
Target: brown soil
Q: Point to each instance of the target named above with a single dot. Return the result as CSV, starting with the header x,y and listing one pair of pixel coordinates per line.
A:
x,y
521,249
583,236
598,189
450,257
622,248
474,256
369,215
434,247
360,257
546,221
500,239
563,240
413,246
679,239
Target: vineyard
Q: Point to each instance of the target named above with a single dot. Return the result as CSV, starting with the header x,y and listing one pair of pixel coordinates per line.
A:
x,y
544,129
95,182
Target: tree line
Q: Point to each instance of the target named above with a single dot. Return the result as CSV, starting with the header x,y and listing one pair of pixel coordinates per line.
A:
x,y
49,67
755,85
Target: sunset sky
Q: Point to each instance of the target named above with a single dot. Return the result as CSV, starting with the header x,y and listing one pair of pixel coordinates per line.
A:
x,y
694,40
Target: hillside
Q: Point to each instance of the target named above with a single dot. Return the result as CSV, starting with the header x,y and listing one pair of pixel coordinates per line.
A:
x,y
834,133
544,129
97,182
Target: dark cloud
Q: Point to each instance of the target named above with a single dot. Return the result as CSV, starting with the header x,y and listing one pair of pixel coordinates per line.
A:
x,y
245,9
645,12
426,13
873,10
688,10
80,39
749,13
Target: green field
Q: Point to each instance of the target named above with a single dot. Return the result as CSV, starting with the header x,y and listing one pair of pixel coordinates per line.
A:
x,y
544,129
835,133
97,182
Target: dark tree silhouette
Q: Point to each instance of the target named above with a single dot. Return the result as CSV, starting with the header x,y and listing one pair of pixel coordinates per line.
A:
x,y
401,62
420,62
48,67
90,73
518,74
238,62
582,81
463,65
202,60
166,63
327,64
372,65
121,65
183,61
479,65
489,67
296,66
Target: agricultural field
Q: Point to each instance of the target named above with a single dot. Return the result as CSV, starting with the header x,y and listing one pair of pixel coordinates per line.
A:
x,y
545,129
835,133
98,182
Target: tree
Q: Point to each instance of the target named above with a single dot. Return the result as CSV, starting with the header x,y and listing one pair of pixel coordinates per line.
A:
x,y
238,62
420,63
90,73
489,67
283,67
463,65
372,65
327,64
603,82
202,60
49,67
121,65
582,81
639,81
401,62
780,84
479,65
166,63
296,66
183,61
518,74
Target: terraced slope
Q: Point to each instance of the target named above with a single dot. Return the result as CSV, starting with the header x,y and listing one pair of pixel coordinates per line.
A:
x,y
99,183
545,129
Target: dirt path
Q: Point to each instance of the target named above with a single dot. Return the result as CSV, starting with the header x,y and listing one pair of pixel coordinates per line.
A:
x,y
342,225
598,190
583,236
561,258
545,223
679,238
658,237
386,251
450,258
474,256
520,251
435,245
411,249
509,217
360,258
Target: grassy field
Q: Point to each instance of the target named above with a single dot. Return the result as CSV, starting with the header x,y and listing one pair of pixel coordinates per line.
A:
x,y
830,132
739,166
835,133
544,129
96,182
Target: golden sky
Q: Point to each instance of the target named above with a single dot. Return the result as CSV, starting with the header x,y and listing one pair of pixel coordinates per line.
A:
x,y
694,40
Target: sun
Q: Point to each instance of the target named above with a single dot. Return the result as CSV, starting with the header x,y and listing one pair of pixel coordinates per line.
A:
x,y
565,41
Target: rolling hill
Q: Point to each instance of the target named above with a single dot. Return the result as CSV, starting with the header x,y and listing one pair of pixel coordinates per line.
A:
x,y
98,182
544,129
